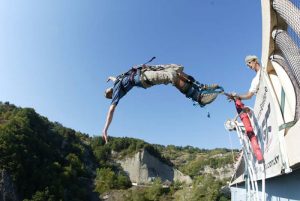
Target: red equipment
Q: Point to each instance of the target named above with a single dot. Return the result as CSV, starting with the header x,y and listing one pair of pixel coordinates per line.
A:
x,y
249,129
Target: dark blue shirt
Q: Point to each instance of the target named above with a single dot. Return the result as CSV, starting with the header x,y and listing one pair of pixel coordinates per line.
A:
x,y
123,85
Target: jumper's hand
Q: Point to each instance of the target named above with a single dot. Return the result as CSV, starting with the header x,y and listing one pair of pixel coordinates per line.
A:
x,y
111,78
105,136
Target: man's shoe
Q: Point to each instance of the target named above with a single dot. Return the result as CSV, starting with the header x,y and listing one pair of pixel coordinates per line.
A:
x,y
207,98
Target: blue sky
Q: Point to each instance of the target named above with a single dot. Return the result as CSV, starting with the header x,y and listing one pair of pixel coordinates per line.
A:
x,y
55,57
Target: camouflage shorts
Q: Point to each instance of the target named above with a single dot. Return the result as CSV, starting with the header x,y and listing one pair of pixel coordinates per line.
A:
x,y
164,74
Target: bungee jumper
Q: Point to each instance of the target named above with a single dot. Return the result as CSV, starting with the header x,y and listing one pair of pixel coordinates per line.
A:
x,y
146,76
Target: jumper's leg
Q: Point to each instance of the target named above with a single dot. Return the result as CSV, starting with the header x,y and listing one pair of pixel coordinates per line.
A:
x,y
187,85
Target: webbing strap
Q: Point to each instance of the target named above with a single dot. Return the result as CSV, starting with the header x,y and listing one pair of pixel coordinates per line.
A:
x,y
282,102
287,125
212,90
282,105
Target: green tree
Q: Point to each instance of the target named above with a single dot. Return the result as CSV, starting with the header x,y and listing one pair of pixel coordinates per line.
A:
x,y
155,191
42,196
44,159
104,180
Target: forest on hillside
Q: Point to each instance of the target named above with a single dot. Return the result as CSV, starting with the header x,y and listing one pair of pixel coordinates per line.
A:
x,y
47,162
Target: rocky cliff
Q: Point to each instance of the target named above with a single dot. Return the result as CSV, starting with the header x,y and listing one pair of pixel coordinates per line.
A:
x,y
219,173
143,168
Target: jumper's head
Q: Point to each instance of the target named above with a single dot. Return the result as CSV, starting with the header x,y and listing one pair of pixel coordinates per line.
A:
x,y
108,93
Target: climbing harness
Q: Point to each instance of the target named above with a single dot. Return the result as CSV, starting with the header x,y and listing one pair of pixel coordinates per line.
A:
x,y
136,70
201,94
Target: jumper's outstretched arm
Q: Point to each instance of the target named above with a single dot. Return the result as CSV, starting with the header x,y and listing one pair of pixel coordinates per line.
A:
x,y
109,118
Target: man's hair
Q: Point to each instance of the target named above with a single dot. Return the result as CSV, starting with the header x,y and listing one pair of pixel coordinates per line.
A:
x,y
251,58
108,93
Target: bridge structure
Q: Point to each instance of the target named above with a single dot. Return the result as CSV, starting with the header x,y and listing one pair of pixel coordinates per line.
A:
x,y
276,112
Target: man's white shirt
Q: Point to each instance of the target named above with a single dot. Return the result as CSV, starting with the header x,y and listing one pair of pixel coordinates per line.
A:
x,y
255,82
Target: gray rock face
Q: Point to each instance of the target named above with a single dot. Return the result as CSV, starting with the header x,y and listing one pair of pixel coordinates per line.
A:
x,y
142,168
7,188
220,173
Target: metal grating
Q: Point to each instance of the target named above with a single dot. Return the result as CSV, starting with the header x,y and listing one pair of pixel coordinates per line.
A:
x,y
289,49
289,11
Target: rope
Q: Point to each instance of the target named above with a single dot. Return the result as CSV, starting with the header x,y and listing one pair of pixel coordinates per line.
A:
x,y
233,159
231,146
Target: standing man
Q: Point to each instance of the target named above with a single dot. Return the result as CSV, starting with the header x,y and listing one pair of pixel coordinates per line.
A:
x,y
253,63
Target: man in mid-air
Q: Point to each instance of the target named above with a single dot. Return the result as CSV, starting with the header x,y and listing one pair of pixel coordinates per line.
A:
x,y
146,76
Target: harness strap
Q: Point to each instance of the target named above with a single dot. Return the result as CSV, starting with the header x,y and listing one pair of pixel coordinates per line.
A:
x,y
208,90
132,74
152,68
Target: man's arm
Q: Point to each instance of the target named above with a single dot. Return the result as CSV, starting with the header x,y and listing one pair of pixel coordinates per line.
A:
x,y
109,118
245,96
